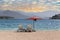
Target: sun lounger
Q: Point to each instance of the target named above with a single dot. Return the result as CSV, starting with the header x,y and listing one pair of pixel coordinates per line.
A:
x,y
28,29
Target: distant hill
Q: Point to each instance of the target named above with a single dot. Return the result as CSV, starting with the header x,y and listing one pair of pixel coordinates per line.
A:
x,y
15,14
44,15
56,16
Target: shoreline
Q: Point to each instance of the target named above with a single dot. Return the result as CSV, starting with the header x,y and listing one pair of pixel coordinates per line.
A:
x,y
29,32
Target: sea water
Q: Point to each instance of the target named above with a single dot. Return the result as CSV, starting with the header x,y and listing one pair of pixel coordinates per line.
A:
x,y
37,25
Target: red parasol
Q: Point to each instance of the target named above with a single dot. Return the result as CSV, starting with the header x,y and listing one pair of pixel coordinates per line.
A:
x,y
33,18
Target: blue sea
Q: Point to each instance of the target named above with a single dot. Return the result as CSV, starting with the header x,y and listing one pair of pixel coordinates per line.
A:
x,y
37,25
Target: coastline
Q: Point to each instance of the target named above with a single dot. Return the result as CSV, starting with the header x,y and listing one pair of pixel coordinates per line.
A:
x,y
39,35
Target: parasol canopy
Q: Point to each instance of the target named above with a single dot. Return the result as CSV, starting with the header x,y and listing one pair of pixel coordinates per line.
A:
x,y
34,18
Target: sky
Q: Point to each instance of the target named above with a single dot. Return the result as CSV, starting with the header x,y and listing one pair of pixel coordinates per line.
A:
x,y
30,5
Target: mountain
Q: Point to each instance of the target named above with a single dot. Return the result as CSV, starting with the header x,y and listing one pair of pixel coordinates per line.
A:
x,y
15,14
24,15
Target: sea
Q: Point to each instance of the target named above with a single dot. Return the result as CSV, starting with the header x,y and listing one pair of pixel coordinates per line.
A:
x,y
12,24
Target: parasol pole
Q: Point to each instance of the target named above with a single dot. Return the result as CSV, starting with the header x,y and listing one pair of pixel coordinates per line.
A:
x,y
34,24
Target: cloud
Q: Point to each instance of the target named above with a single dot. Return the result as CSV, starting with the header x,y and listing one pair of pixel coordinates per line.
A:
x,y
31,5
